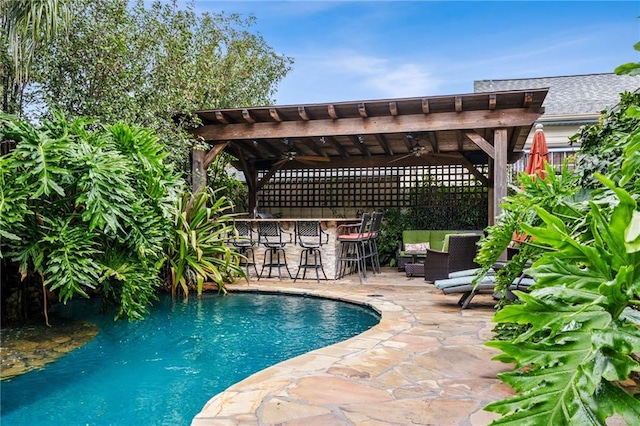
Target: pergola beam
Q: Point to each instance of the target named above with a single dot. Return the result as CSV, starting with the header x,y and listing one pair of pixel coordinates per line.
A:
x,y
370,126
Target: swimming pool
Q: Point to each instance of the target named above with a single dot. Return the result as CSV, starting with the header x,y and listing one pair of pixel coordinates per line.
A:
x,y
164,369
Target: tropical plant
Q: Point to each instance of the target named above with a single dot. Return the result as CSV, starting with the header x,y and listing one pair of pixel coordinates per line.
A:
x,y
199,253
582,325
86,209
556,193
26,25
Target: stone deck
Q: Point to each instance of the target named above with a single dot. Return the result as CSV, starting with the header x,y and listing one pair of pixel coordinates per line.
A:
x,y
423,364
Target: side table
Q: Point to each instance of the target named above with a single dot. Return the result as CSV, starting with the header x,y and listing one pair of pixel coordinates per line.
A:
x,y
414,268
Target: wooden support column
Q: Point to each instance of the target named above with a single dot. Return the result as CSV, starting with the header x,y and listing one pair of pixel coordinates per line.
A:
x,y
198,170
501,144
251,177
491,193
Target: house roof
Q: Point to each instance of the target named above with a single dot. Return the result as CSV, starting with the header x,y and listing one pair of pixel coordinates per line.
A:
x,y
452,129
570,95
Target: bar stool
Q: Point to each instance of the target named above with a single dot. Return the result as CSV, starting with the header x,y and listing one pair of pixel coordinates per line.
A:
x,y
350,256
371,236
309,235
242,240
270,235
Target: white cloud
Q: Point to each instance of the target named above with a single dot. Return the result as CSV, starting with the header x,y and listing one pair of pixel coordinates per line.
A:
x,y
346,75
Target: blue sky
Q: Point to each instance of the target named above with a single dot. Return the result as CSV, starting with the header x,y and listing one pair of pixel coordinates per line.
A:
x,y
361,50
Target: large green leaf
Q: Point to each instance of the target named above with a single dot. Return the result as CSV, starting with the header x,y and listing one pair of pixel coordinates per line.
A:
x,y
561,370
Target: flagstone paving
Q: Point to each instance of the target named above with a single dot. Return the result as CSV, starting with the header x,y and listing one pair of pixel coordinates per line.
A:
x,y
423,364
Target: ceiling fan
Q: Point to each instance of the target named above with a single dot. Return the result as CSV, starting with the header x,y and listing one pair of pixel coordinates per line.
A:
x,y
416,151
292,155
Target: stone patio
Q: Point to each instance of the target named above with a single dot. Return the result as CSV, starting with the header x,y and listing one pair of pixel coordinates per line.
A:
x,y
424,363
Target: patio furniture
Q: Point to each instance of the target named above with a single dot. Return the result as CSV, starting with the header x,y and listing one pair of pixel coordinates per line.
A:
x,y
412,248
242,240
457,254
350,253
462,282
309,236
415,268
270,234
371,247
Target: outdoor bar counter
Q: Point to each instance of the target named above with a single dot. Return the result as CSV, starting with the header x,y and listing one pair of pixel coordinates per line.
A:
x,y
293,250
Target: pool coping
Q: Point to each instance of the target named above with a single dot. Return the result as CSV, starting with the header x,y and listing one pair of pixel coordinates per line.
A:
x,y
424,363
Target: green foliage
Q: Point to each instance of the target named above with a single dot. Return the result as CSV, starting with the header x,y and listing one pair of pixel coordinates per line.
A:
x,y
581,328
395,221
556,193
199,253
227,184
150,62
26,25
600,148
630,68
87,208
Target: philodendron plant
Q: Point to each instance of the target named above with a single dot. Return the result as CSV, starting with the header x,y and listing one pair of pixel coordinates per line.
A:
x,y
583,338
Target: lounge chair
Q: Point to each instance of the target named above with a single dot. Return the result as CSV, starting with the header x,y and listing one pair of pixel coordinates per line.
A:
x,y
462,282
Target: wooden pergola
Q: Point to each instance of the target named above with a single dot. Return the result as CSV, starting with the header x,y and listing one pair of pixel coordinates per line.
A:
x,y
467,129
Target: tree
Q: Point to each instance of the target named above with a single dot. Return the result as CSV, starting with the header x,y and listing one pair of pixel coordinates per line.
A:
x,y
26,26
151,64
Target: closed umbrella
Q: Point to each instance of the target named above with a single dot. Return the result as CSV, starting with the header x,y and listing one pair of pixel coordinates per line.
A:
x,y
538,154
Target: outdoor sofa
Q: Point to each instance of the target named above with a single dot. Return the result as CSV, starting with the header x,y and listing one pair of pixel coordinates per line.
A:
x,y
415,242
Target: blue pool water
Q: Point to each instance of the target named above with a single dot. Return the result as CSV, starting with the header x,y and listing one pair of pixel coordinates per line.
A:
x,y
161,371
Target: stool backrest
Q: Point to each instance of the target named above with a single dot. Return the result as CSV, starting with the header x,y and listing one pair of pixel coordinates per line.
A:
x,y
376,221
242,235
310,232
270,233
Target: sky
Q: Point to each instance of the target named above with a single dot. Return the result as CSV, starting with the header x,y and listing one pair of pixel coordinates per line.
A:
x,y
364,50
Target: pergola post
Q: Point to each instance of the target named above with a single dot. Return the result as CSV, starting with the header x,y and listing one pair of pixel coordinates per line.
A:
x,y
499,172
198,170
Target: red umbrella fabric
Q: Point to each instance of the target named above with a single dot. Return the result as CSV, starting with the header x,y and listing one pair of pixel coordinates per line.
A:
x,y
538,154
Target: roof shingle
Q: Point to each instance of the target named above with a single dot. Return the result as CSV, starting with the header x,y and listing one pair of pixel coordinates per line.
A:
x,y
570,95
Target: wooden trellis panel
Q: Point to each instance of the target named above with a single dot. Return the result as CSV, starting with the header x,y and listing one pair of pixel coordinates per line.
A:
x,y
369,188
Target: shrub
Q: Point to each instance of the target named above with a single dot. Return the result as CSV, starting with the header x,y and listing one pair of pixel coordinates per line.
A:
x,y
86,209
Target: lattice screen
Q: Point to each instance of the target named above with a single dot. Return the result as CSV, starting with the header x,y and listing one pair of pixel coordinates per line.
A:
x,y
366,188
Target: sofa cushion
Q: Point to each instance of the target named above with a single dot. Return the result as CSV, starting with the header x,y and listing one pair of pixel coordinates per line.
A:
x,y
437,239
413,236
